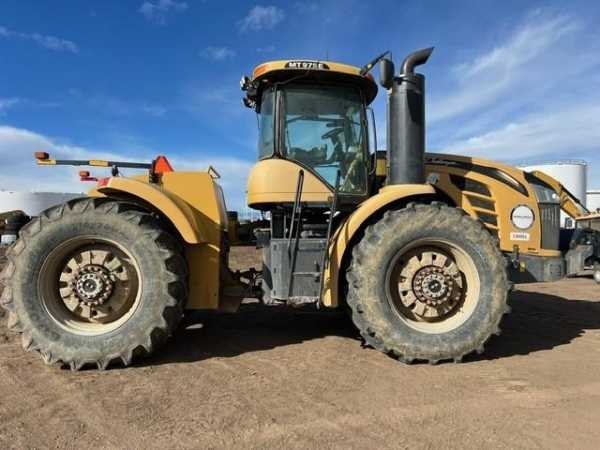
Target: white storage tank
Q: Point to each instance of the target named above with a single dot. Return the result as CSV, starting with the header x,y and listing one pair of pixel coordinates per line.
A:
x,y
592,200
33,202
571,173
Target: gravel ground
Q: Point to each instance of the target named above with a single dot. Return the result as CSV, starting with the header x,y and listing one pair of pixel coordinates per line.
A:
x,y
297,379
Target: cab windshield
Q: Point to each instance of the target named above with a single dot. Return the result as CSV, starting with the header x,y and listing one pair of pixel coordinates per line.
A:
x,y
323,129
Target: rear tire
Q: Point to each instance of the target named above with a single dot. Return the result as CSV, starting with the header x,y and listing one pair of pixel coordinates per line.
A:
x,y
427,283
94,281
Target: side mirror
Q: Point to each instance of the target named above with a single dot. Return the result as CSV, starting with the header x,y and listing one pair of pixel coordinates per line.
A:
x,y
386,73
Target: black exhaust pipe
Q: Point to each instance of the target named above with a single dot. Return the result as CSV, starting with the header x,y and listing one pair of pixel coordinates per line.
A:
x,y
406,122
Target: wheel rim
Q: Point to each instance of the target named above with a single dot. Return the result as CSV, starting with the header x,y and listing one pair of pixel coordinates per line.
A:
x,y
89,285
433,286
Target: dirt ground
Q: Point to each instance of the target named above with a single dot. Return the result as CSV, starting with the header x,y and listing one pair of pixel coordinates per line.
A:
x,y
299,379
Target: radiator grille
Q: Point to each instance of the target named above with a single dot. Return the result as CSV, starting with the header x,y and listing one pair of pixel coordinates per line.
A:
x,y
550,220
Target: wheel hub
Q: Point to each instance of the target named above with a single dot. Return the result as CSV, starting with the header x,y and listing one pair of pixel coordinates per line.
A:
x,y
96,284
433,286
430,284
92,285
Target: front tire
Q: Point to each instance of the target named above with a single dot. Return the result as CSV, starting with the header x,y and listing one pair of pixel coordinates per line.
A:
x,y
94,281
427,283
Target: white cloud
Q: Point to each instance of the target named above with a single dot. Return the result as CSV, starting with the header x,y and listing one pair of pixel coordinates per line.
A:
x,y
261,17
158,11
49,42
528,98
526,63
7,103
535,37
217,53
54,43
20,172
567,132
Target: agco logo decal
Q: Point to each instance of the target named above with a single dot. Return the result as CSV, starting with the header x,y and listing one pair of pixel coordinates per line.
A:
x,y
306,65
522,217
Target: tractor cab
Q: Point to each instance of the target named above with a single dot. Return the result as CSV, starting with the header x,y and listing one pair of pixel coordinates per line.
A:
x,y
312,118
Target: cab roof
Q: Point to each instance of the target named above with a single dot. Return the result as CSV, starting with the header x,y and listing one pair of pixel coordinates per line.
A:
x,y
326,71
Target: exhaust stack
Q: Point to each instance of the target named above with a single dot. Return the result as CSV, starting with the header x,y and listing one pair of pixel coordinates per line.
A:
x,y
406,120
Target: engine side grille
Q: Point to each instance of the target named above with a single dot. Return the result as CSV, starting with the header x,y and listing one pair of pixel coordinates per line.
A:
x,y
481,200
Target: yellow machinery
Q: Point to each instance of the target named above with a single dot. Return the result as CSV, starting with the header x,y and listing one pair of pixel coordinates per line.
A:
x,y
584,245
416,245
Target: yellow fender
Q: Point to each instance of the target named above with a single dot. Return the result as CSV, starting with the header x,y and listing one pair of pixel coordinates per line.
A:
x,y
357,220
198,214
179,213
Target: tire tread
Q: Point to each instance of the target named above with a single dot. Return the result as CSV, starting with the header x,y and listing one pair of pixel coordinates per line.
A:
x,y
151,228
373,239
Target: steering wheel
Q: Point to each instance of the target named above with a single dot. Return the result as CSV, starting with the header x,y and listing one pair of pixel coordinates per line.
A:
x,y
332,133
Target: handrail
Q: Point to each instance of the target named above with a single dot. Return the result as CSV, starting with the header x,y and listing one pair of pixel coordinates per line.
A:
x,y
325,263
297,210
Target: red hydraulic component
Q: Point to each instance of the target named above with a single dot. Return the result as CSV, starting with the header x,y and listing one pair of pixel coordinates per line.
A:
x,y
84,175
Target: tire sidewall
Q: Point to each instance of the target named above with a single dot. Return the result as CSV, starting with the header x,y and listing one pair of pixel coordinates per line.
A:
x,y
384,318
153,283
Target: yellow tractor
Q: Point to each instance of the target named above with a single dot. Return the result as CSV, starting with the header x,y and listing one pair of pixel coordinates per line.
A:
x,y
416,246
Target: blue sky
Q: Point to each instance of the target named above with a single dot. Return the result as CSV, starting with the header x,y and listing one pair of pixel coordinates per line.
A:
x,y
509,80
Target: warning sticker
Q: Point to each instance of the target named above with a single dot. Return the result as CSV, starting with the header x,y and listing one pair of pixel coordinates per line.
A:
x,y
519,236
